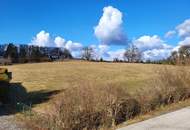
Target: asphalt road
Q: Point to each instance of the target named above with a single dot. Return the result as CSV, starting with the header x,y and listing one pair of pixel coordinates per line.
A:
x,y
177,120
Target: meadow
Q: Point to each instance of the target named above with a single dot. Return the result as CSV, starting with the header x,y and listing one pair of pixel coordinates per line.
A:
x,y
59,75
86,92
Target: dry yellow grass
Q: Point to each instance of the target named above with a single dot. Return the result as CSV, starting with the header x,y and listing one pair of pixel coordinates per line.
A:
x,y
148,87
60,75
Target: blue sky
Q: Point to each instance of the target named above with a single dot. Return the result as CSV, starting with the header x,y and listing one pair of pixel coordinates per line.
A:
x,y
75,20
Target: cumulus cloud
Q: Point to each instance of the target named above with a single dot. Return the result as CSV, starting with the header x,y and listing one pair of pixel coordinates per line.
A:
x,y
103,50
109,29
109,32
73,46
156,54
100,51
150,42
44,39
186,41
170,34
152,47
59,41
116,54
176,48
184,29
41,39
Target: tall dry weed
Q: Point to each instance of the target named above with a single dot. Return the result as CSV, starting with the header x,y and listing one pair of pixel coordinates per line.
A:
x,y
91,107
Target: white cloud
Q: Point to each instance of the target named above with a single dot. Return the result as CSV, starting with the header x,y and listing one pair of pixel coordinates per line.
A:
x,y
45,40
152,47
184,29
116,54
100,51
156,54
73,46
186,41
59,41
109,28
170,34
176,48
103,50
150,42
41,39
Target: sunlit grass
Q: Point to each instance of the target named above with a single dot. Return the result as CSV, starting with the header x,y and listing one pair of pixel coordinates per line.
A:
x,y
61,75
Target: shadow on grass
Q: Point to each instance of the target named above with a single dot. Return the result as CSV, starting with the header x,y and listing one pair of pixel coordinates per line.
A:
x,y
13,93
37,97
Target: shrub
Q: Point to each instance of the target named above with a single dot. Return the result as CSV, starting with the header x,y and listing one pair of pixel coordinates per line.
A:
x,y
148,99
91,107
174,84
171,85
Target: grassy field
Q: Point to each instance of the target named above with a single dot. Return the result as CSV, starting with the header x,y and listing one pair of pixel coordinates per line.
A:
x,y
141,87
59,75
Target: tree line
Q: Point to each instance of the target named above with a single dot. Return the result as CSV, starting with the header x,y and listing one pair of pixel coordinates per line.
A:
x,y
31,53
133,55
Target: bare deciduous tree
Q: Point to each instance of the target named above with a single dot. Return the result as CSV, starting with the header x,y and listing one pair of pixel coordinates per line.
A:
x,y
11,52
87,53
174,58
182,56
132,54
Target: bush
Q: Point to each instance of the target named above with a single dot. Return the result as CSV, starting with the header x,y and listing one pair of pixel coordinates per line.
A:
x,y
171,85
174,84
91,107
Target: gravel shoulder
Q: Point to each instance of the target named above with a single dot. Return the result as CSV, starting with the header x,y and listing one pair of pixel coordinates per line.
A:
x,y
8,123
7,120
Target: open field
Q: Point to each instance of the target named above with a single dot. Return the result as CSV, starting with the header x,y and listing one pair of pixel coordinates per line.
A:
x,y
90,90
61,75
